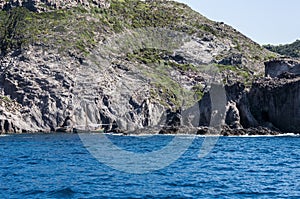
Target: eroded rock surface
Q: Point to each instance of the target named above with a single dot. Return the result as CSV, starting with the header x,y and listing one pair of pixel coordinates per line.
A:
x,y
275,103
42,91
279,67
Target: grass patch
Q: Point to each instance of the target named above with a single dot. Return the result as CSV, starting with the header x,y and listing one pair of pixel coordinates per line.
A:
x,y
66,29
198,90
158,56
6,99
166,90
148,55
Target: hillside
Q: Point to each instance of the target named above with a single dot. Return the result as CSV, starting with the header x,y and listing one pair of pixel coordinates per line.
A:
x,y
125,66
292,50
82,28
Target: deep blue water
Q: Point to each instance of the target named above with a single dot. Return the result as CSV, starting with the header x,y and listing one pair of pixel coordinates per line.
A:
x,y
59,166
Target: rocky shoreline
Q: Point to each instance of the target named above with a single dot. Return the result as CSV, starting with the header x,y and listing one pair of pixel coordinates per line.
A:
x,y
197,131
225,131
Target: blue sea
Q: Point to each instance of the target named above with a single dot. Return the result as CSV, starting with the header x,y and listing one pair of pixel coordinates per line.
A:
x,y
65,166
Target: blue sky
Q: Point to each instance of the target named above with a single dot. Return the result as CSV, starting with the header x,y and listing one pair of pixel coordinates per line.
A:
x,y
264,21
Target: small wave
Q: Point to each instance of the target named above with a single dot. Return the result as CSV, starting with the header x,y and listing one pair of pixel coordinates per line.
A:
x,y
79,153
251,194
24,157
32,163
33,192
65,192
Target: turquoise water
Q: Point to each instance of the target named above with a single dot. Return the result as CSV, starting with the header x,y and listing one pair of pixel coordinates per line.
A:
x,y
59,166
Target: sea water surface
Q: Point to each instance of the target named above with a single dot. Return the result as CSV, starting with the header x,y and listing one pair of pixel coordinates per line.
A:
x,y
59,166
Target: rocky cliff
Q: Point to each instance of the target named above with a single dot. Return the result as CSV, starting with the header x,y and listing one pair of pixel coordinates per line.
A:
x,y
134,65
275,103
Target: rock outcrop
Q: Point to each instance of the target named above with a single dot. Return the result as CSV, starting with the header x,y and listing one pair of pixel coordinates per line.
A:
x,y
275,103
279,67
46,92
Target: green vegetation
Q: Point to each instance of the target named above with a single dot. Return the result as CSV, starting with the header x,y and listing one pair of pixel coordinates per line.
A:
x,y
165,88
182,67
237,45
12,27
147,56
292,50
166,91
62,29
198,89
81,28
5,98
170,93
158,56
207,28
138,14
270,56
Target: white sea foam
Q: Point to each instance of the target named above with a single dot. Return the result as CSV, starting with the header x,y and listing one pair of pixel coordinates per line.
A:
x,y
4,135
208,135
194,135
279,135
289,135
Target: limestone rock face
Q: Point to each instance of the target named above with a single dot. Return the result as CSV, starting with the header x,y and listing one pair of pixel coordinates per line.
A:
x,y
276,103
42,91
269,103
45,5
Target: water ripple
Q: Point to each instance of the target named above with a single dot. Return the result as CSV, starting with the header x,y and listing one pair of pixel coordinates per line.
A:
x,y
58,166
